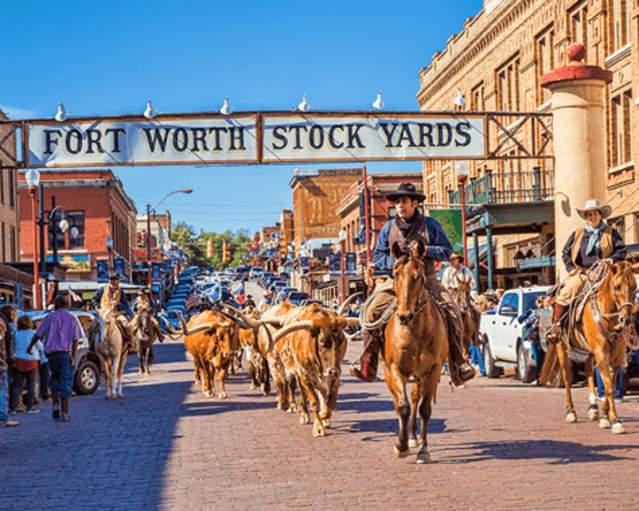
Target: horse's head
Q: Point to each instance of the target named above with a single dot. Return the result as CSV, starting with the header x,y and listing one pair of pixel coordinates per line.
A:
x,y
463,292
623,287
410,280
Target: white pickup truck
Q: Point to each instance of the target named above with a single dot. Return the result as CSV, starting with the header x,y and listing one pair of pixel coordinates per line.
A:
x,y
501,330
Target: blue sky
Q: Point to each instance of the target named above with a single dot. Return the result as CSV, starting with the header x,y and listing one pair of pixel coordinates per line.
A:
x,y
109,57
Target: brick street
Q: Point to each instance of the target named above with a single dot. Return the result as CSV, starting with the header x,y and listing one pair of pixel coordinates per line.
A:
x,y
497,444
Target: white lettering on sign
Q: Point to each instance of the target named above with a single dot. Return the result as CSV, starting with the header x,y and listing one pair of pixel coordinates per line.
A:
x,y
183,141
240,138
371,137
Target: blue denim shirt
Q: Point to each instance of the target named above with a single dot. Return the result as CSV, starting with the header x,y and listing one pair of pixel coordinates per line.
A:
x,y
439,248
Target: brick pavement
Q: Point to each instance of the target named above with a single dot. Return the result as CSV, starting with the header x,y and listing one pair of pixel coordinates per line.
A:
x,y
497,444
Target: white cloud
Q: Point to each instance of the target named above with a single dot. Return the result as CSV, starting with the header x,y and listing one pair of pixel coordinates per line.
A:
x,y
14,112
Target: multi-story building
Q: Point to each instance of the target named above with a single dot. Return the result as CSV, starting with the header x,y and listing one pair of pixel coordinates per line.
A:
x,y
287,229
316,196
101,217
496,63
160,224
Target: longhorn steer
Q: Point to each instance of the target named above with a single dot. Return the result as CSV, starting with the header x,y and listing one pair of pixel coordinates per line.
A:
x,y
310,347
211,339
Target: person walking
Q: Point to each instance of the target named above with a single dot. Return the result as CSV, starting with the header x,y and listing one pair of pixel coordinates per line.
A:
x,y
6,364
26,367
60,332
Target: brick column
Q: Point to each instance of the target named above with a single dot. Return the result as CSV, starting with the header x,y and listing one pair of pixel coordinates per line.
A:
x,y
579,141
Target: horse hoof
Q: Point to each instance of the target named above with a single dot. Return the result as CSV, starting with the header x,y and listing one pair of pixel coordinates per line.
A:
x,y
593,414
571,417
423,457
290,410
318,430
617,428
604,423
304,419
413,443
326,423
251,387
222,395
399,453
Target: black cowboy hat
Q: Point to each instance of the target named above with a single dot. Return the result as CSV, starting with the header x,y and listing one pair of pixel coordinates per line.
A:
x,y
405,190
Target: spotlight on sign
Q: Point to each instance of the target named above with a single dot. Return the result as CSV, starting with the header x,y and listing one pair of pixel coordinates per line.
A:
x,y
459,101
304,105
150,112
61,114
378,104
226,107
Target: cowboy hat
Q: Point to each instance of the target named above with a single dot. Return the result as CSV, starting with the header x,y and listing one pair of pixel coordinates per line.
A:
x,y
114,275
456,255
593,205
405,190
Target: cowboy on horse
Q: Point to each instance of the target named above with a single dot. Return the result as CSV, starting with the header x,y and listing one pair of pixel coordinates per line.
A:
x,y
457,272
595,241
110,299
407,227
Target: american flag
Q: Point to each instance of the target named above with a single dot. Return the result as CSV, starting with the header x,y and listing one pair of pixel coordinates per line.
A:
x,y
193,300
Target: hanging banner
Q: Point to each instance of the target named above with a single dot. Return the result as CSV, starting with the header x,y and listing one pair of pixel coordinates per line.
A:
x,y
451,221
252,138
102,269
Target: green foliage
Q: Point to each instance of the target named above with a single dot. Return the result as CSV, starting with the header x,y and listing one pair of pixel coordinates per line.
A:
x,y
195,245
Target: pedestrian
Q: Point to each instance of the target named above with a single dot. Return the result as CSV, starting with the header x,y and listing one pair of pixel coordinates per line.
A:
x,y
60,331
6,365
43,374
26,367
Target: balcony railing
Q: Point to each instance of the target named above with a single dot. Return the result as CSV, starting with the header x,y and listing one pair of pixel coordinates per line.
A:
x,y
507,188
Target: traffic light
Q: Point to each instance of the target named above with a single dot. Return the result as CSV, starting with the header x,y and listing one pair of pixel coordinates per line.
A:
x,y
209,248
226,252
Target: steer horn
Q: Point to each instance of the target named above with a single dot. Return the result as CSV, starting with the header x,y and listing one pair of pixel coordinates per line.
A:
x,y
173,333
345,322
347,302
293,327
240,317
197,329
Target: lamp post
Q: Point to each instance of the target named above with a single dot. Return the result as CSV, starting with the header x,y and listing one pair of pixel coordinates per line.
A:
x,y
342,265
149,209
33,182
461,169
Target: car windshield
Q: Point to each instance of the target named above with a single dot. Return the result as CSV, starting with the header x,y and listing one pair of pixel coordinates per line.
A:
x,y
297,296
529,299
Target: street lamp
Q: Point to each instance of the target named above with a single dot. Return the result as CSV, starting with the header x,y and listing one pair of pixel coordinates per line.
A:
x,y
33,181
461,168
342,264
149,209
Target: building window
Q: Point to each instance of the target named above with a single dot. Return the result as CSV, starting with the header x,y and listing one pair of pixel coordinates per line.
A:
x,y
76,219
620,135
1,185
4,244
14,245
619,223
11,188
477,97
578,25
544,55
619,24
508,85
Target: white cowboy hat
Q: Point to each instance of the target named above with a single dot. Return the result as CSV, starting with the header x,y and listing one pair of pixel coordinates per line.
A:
x,y
593,205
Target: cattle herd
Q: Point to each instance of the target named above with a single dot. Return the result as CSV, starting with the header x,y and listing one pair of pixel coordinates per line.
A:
x,y
299,349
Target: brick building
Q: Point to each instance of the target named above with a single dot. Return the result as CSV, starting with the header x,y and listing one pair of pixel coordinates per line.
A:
x,y
316,196
160,235
287,229
99,209
496,62
269,235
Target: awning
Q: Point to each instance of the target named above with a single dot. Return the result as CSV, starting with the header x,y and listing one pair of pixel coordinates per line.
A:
x,y
483,252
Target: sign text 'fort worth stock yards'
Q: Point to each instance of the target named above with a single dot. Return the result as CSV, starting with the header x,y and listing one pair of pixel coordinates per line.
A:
x,y
253,138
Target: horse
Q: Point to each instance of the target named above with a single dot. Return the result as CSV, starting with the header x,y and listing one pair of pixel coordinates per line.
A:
x,y
145,333
113,350
608,316
415,349
470,315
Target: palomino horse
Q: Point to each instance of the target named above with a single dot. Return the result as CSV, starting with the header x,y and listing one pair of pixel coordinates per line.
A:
x,y
608,314
113,351
416,348
470,315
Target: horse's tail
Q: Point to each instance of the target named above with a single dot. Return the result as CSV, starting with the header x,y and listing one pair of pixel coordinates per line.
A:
x,y
550,366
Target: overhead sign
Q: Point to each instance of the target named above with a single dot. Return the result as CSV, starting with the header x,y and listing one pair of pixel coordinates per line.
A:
x,y
252,138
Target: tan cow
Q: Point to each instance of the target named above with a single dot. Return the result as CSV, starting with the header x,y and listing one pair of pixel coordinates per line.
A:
x,y
310,348
211,338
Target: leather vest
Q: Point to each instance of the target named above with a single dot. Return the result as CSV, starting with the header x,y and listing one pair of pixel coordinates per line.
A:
x,y
605,242
417,232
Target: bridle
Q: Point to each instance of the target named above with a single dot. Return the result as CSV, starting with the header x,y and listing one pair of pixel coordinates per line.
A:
x,y
421,302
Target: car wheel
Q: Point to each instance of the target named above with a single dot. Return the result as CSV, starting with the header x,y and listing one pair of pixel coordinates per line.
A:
x,y
87,378
492,371
524,372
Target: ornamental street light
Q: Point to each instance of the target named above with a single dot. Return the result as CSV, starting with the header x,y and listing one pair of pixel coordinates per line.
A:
x,y
33,182
150,209
461,168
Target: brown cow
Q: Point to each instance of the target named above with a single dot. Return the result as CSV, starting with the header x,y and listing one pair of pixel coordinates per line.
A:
x,y
310,348
211,339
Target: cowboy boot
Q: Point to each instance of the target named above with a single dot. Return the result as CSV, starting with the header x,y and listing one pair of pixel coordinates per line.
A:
x,y
554,331
460,371
368,360
65,409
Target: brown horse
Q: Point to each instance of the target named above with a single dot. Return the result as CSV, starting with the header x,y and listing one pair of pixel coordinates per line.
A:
x,y
470,315
416,348
607,317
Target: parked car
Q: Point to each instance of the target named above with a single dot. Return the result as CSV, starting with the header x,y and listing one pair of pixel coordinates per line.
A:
x,y
502,332
298,297
257,272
